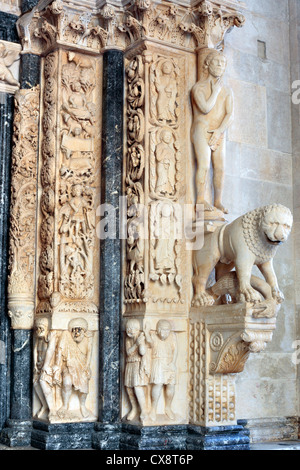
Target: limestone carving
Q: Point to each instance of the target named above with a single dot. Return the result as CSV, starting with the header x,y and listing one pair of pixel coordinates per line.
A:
x,y
23,209
46,275
43,361
213,113
137,370
71,371
163,343
7,58
134,279
252,239
164,96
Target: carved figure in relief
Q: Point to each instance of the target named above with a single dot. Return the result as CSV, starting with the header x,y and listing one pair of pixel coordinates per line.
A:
x,y
44,353
163,366
164,254
166,160
212,104
166,87
136,370
7,58
252,239
72,367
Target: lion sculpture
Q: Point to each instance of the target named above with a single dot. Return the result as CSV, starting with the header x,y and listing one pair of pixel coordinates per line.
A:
x,y
252,239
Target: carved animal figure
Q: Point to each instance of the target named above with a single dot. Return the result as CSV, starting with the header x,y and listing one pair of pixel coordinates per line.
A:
x,y
252,239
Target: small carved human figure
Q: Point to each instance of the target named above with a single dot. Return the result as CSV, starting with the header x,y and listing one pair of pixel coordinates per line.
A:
x,y
163,366
136,370
165,157
166,88
213,113
44,352
79,207
164,248
72,368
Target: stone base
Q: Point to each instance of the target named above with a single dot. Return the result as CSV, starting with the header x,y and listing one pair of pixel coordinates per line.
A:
x,y
65,436
219,438
17,433
153,437
106,436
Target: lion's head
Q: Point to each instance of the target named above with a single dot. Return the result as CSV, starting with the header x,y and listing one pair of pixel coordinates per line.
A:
x,y
266,228
276,223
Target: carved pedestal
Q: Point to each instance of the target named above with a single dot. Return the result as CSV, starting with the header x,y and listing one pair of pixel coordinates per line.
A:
x,y
221,340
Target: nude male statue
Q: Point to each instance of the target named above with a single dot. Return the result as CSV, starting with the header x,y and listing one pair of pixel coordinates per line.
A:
x,y
212,104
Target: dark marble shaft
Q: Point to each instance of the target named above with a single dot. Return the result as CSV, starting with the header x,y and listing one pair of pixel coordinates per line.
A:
x,y
6,117
110,254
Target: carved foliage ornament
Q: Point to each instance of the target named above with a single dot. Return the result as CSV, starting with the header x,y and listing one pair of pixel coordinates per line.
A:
x,y
201,26
23,208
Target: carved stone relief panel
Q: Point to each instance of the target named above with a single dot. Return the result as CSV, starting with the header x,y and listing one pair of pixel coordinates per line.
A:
x,y
9,66
63,372
154,371
69,180
157,163
23,209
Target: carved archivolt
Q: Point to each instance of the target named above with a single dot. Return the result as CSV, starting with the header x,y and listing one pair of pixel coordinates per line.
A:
x,y
23,209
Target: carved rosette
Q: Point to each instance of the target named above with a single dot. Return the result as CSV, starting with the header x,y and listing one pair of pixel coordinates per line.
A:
x,y
23,209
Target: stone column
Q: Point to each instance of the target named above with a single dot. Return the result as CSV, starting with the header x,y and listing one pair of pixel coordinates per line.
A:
x,y
22,252
107,429
7,33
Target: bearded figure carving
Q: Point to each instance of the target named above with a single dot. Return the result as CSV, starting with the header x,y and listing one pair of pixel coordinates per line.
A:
x,y
252,239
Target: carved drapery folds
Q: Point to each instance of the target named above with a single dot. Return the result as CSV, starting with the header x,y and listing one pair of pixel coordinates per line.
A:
x,y
23,209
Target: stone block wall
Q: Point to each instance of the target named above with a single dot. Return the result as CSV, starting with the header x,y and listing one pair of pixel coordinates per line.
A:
x,y
262,161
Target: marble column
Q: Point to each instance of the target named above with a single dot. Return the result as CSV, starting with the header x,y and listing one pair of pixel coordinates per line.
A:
x,y
8,33
18,428
106,434
6,116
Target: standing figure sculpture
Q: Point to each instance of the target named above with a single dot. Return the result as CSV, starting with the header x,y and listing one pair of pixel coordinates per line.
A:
x,y
163,366
213,113
72,369
44,353
136,370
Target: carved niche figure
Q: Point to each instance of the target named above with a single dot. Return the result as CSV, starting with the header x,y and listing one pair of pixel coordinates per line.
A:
x,y
166,91
72,366
212,104
166,161
163,343
44,354
252,239
76,242
136,370
7,58
164,242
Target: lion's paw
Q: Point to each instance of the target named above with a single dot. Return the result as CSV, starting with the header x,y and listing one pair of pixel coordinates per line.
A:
x,y
248,294
203,300
277,295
